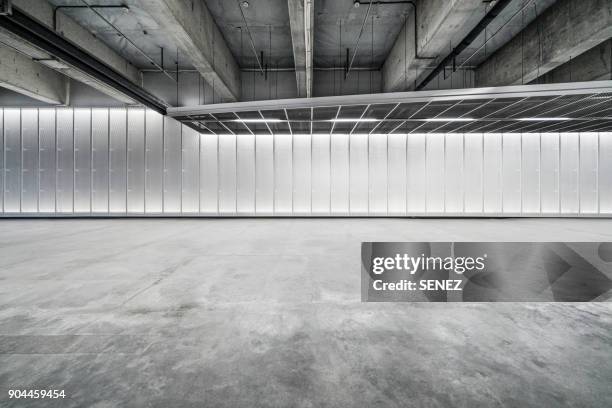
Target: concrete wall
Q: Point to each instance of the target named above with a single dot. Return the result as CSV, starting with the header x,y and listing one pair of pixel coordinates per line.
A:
x,y
136,162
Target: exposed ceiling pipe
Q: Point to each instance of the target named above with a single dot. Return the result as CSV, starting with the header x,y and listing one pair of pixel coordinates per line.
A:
x,y
466,42
246,25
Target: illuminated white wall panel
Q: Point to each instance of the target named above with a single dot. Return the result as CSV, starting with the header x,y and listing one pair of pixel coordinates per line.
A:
x,y
118,161
29,160
302,174
492,173
358,174
172,167
209,175
227,174
569,168
321,174
435,173
588,180
154,159
12,160
605,173
264,175
190,171
511,169
473,162
134,161
377,175
549,173
1,160
245,167
65,161
82,159
416,180
453,167
396,171
283,174
100,154
340,188
530,173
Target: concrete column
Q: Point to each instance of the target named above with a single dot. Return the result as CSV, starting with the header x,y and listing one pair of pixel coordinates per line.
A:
x,y
20,74
441,25
193,29
563,32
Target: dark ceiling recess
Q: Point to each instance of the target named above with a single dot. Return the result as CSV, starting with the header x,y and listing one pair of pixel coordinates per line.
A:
x,y
46,39
465,43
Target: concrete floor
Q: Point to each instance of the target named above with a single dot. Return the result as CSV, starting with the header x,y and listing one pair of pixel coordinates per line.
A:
x,y
267,313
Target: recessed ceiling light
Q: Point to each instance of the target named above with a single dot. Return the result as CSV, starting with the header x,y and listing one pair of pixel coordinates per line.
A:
x,y
543,119
258,120
356,4
449,120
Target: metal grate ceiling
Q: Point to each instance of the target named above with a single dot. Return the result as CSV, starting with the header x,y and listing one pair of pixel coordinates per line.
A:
x,y
573,107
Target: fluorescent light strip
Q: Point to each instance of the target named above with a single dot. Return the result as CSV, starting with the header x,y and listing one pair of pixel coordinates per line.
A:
x,y
449,120
353,120
356,120
258,120
543,119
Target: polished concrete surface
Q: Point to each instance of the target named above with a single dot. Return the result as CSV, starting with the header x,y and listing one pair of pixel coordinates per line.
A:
x,y
267,313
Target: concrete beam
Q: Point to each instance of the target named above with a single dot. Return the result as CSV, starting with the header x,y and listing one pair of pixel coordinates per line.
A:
x,y
193,29
593,65
27,77
301,17
43,12
562,33
441,24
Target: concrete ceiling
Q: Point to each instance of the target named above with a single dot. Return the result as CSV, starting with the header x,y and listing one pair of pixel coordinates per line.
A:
x,y
337,26
135,23
518,14
268,23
